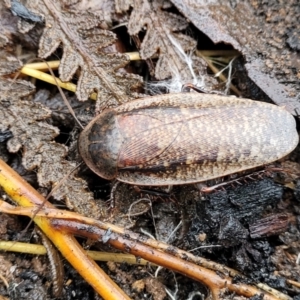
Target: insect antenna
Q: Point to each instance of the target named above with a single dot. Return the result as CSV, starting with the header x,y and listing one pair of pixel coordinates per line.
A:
x,y
64,97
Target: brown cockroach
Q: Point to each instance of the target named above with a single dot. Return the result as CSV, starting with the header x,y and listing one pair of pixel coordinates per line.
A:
x,y
185,138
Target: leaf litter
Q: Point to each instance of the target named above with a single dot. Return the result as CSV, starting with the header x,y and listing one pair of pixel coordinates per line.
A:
x,y
26,120
161,35
266,35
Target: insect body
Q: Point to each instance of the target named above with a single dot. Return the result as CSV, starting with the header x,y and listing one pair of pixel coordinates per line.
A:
x,y
185,138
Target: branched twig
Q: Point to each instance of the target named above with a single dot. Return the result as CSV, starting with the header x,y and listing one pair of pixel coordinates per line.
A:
x,y
58,225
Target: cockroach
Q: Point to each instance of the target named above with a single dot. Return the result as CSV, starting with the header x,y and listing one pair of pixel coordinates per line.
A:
x,y
185,138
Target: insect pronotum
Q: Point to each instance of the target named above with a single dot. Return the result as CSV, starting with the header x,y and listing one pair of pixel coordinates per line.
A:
x,y
185,138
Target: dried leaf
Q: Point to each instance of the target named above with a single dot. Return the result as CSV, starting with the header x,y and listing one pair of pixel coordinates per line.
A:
x,y
3,40
160,37
27,18
10,29
82,39
283,259
7,26
270,63
8,63
106,8
26,120
123,5
18,9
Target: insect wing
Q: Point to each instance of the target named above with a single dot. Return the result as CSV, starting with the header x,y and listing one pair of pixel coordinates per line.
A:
x,y
184,145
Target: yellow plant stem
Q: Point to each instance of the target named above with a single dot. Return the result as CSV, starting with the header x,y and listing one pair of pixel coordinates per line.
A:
x,y
36,70
54,64
59,225
42,66
48,78
95,255
22,247
22,193
93,229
